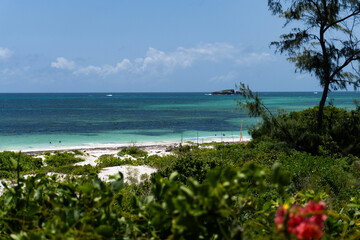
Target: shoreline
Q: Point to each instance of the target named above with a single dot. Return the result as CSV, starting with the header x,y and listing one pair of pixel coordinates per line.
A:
x,y
147,146
130,172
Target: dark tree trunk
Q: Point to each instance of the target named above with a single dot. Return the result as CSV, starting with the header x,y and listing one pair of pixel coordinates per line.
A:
x,y
321,106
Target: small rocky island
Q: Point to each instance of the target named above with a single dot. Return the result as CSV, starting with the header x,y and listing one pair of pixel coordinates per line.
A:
x,y
224,92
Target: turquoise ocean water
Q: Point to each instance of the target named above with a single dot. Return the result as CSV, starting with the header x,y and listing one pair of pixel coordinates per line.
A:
x,y
55,120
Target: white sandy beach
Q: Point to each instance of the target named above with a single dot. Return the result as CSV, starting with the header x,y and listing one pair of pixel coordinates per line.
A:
x,y
119,145
132,174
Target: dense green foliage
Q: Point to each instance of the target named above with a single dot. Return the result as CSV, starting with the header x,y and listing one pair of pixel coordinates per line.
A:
x,y
8,162
77,170
61,159
132,151
159,162
42,208
156,161
109,161
235,199
341,131
202,211
216,191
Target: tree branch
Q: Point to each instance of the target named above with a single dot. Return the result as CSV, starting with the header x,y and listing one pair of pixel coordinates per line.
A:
x,y
344,81
316,6
347,62
356,12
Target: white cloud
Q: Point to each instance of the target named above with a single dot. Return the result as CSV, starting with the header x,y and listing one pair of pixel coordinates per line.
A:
x,y
223,78
160,62
156,60
120,66
104,70
63,63
5,53
254,58
213,52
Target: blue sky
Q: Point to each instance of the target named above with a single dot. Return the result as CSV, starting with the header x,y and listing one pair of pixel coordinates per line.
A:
x,y
142,46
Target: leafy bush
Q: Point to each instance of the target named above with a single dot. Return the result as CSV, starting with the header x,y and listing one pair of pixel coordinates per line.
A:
x,y
335,176
40,207
110,161
77,170
61,159
77,152
152,161
156,161
8,161
201,211
6,174
196,162
341,133
194,165
228,192
132,151
185,148
86,208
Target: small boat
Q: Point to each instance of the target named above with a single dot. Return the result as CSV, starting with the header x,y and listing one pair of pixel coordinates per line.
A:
x,y
109,95
315,93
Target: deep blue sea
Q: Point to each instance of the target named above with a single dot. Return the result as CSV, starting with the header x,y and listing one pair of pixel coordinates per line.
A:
x,y
55,120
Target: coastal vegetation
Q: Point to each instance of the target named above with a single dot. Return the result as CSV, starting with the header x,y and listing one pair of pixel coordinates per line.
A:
x,y
61,159
225,191
132,151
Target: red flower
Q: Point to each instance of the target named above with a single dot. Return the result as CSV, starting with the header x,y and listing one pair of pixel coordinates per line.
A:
x,y
303,222
307,230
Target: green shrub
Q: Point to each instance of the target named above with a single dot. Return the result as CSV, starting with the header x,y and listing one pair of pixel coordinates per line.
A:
x,y
335,176
192,165
201,211
110,161
61,159
341,133
159,162
6,174
77,170
184,148
226,192
8,161
132,151
77,152
76,208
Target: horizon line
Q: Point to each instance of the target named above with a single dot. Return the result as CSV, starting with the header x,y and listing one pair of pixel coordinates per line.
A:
x,y
114,92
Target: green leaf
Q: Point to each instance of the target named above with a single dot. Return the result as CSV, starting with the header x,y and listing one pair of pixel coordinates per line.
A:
x,y
32,209
105,231
117,185
187,191
86,188
173,176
